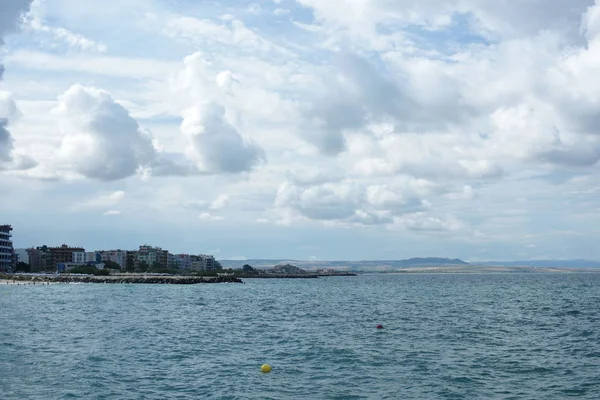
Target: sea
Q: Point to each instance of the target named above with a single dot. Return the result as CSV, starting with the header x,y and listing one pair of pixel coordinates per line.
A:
x,y
444,336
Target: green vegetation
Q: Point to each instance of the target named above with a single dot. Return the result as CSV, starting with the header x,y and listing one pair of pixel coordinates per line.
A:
x,y
90,270
23,267
142,266
158,268
112,265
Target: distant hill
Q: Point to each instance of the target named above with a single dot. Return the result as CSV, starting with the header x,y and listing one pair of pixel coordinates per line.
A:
x,y
352,265
544,263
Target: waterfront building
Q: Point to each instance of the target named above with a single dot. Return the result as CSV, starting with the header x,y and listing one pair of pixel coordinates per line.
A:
x,y
171,260
116,256
152,255
183,261
286,269
6,248
131,257
86,257
38,258
79,257
203,262
62,254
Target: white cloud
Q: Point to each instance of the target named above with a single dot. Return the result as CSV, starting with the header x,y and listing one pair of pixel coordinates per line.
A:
x,y
103,200
404,118
73,40
111,212
220,202
100,139
215,145
10,17
210,217
346,202
134,68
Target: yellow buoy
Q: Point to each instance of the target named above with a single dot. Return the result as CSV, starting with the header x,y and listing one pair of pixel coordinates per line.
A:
x,y
265,368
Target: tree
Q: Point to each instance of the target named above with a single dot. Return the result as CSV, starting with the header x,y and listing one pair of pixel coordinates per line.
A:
x,y
23,267
143,266
247,268
218,266
112,265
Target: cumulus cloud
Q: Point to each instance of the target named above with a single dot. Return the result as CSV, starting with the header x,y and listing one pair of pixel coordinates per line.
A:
x,y
100,139
215,145
346,202
10,17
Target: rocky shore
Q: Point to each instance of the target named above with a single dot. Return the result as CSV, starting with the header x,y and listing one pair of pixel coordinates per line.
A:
x,y
147,279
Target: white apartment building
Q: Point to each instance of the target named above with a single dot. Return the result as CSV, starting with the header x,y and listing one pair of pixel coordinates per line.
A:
x,y
84,257
116,256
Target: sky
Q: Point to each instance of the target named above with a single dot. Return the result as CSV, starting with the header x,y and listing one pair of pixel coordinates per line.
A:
x,y
303,129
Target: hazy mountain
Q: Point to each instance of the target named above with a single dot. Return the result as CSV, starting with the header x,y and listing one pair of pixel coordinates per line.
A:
x,y
356,265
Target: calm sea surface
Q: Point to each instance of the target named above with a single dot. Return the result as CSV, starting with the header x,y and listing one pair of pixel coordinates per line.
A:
x,y
444,337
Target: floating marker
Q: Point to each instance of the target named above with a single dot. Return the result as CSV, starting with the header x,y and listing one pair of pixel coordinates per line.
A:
x,y
379,326
265,368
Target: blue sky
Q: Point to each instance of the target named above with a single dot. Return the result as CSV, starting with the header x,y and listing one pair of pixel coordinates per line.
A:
x,y
308,129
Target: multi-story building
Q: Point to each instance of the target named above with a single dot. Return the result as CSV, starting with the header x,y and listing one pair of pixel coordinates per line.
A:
x,y
203,262
6,248
39,258
87,257
171,260
183,261
116,256
62,254
152,255
131,257
78,257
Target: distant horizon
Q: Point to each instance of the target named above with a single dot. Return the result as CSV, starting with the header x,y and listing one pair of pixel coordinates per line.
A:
x,y
241,259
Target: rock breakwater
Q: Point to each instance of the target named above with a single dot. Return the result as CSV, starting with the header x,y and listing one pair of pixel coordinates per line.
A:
x,y
113,279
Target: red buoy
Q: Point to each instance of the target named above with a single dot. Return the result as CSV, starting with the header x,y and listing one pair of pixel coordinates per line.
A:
x,y
379,326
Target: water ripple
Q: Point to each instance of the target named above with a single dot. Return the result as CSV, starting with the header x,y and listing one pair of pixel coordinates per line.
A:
x,y
445,336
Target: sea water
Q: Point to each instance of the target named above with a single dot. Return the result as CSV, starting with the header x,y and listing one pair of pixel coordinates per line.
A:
x,y
445,336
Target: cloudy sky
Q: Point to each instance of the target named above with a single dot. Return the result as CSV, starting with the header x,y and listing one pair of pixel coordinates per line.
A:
x,y
308,129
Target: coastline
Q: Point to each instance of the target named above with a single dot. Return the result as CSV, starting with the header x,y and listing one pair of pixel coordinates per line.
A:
x,y
116,279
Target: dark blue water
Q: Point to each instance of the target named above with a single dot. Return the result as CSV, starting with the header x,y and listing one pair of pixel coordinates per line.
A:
x,y
445,336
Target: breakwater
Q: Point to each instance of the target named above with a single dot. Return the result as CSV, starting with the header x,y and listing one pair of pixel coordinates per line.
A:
x,y
295,276
113,279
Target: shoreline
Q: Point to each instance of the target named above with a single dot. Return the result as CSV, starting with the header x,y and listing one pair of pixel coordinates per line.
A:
x,y
116,279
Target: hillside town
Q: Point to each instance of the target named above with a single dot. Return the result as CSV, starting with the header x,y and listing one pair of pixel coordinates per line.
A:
x,y
67,258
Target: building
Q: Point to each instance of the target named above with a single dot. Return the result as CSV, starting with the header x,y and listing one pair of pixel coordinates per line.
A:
x,y
79,257
131,257
116,256
286,269
62,254
183,261
86,257
171,260
7,262
68,266
39,258
44,258
203,262
151,255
